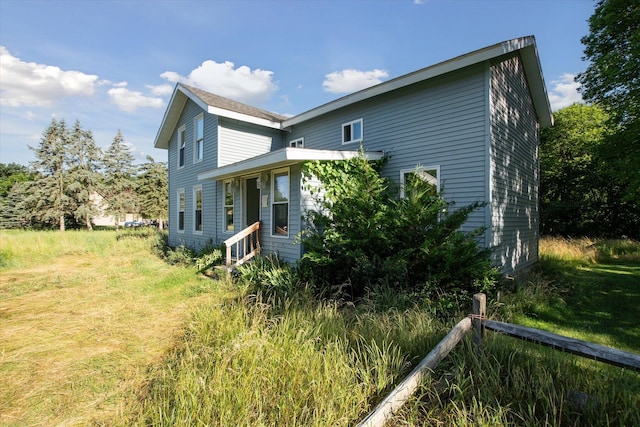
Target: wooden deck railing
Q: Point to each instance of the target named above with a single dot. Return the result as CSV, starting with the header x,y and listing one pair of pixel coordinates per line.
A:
x,y
246,244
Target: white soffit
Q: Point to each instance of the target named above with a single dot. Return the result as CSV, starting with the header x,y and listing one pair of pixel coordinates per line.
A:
x,y
281,158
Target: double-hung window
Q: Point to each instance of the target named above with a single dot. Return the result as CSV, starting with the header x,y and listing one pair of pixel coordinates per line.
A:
x,y
228,206
430,175
182,140
197,209
352,132
198,132
280,203
181,206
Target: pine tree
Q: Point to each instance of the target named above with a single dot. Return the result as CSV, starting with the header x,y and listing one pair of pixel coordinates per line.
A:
x,y
13,210
153,187
84,175
119,179
49,199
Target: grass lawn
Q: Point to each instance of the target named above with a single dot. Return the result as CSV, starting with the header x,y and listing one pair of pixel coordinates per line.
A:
x,y
83,315
96,330
596,294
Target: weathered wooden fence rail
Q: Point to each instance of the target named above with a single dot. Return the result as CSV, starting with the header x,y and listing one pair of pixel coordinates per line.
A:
x,y
390,404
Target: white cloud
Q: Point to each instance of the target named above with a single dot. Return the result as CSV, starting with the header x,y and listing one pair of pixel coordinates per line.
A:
x,y
39,85
564,92
351,80
161,90
242,84
129,100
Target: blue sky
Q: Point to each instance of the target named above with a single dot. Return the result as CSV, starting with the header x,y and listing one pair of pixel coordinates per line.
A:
x,y
113,64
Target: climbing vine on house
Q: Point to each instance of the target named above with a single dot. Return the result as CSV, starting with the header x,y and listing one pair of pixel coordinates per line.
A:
x,y
363,235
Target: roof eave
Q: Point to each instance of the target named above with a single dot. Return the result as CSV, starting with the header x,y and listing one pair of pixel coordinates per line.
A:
x,y
282,158
176,104
524,43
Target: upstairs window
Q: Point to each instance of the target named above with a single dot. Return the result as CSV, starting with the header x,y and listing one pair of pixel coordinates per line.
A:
x,y
352,132
182,139
297,143
427,174
197,211
198,148
181,205
280,204
228,206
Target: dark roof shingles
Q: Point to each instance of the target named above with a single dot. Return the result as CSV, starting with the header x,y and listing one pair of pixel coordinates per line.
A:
x,y
235,106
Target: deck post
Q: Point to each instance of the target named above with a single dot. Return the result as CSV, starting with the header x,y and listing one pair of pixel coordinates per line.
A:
x,y
479,315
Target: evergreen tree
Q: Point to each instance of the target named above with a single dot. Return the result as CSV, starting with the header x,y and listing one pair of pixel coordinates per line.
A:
x,y
13,210
119,179
84,174
153,188
49,199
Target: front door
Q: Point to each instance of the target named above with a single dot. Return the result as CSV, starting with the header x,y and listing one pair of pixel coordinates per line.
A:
x,y
252,201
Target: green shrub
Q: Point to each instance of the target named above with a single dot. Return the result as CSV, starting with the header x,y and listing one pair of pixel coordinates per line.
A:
x,y
364,235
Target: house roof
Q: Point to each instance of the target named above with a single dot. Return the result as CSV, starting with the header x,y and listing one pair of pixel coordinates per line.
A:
x,y
281,158
525,45
214,104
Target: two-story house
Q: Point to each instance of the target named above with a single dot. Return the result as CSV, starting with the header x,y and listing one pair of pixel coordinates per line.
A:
x,y
469,125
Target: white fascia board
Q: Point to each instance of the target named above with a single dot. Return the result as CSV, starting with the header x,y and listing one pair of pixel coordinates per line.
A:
x,y
170,118
281,158
533,70
445,67
242,117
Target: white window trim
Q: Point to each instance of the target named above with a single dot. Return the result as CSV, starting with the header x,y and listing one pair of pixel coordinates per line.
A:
x,y
273,187
351,124
179,193
195,205
297,143
418,168
182,143
195,136
224,207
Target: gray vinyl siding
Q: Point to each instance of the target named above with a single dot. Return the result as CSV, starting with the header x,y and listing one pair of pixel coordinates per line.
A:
x,y
186,178
240,141
514,168
436,123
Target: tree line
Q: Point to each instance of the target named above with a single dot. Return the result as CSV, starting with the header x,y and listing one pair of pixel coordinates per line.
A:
x,y
590,158
73,181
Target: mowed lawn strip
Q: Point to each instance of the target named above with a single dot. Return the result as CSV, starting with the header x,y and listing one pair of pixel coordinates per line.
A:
x,y
599,294
83,315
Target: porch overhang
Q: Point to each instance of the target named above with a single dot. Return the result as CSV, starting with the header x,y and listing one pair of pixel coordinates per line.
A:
x,y
281,158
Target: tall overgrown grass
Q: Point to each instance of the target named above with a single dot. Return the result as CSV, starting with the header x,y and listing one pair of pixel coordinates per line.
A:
x,y
121,337
275,355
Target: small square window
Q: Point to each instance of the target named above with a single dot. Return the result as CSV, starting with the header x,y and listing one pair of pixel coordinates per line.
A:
x,y
427,174
352,132
297,143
